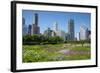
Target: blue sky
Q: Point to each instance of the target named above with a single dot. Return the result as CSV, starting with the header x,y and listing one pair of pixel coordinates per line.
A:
x,y
47,19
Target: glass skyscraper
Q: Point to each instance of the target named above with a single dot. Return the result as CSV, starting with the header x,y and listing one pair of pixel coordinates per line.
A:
x,y
24,27
71,31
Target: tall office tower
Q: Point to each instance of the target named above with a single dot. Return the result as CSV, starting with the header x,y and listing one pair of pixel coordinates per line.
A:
x,y
35,27
55,28
23,21
71,29
83,33
36,19
24,27
29,29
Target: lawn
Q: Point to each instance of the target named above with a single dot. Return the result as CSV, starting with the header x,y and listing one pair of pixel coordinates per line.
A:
x,y
56,52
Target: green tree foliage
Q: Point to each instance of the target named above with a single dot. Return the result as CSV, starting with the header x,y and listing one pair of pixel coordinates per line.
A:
x,y
82,42
41,39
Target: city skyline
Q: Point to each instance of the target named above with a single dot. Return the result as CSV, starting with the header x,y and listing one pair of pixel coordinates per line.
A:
x,y
48,18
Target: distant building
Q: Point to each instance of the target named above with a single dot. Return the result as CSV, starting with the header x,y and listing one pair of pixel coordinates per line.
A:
x,y
55,27
89,34
83,33
48,32
53,33
67,36
71,29
62,34
30,30
24,27
35,27
77,36
23,21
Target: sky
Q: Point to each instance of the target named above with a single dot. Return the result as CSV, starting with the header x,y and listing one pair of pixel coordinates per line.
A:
x,y
48,18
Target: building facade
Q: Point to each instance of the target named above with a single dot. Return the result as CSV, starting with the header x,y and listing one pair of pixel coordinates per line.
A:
x,y
55,26
71,31
29,29
62,34
35,28
24,27
78,36
48,32
83,33
55,29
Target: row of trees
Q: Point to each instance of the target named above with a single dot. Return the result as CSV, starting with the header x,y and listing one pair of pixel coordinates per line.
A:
x,y
82,42
41,39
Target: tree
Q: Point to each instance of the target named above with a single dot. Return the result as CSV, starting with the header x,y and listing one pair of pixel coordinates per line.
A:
x,y
27,38
37,39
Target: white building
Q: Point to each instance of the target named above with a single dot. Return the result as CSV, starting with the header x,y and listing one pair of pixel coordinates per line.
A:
x,y
62,34
55,29
77,36
83,33
55,26
58,32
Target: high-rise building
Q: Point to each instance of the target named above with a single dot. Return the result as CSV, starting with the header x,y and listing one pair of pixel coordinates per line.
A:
x,y
77,36
36,19
35,27
89,34
23,21
30,30
24,27
55,28
83,33
67,36
71,29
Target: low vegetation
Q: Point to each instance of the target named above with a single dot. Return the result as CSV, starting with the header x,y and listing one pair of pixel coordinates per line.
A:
x,y
50,52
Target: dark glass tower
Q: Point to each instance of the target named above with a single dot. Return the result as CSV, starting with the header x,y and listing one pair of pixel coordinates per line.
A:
x,y
35,27
71,29
36,19
23,21
29,29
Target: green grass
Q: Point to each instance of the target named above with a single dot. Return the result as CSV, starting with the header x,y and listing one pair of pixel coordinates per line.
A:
x,y
44,53
80,48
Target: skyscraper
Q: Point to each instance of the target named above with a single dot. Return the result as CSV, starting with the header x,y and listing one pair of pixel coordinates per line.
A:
x,y
23,21
24,27
36,19
29,29
78,36
55,28
83,33
35,27
71,29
